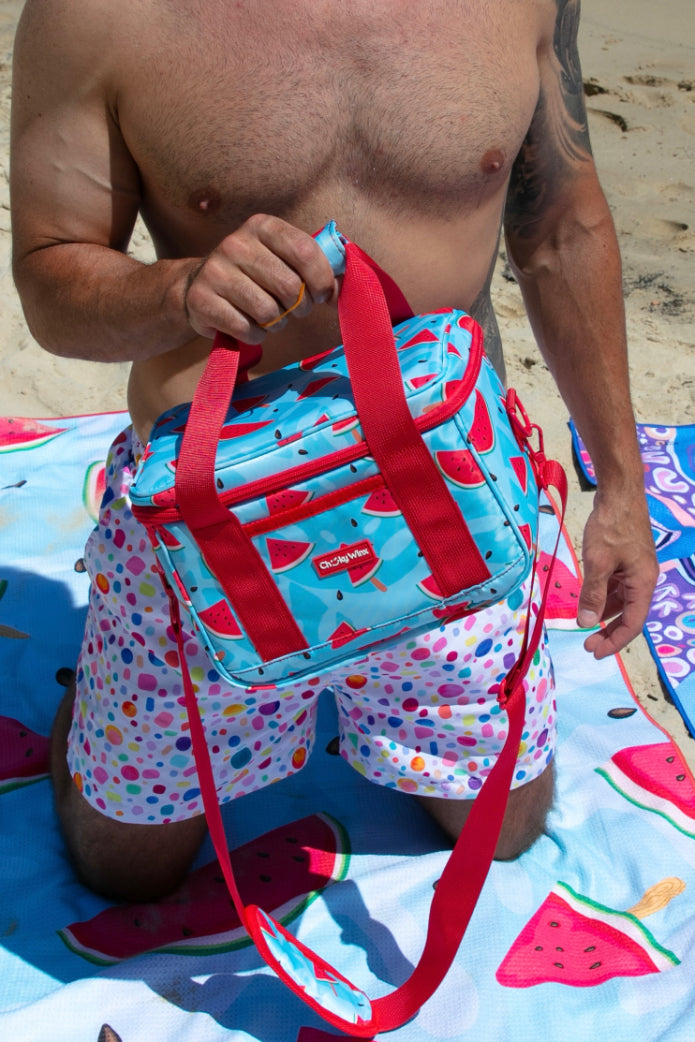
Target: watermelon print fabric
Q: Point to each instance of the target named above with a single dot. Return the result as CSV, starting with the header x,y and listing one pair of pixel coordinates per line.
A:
x,y
420,716
668,454
361,891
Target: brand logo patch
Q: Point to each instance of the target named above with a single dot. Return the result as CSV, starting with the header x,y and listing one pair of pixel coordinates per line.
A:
x,y
356,555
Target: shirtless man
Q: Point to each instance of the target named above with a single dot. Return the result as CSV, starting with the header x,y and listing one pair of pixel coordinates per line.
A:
x,y
238,129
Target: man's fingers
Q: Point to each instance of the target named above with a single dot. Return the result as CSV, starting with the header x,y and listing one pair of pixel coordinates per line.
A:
x,y
256,278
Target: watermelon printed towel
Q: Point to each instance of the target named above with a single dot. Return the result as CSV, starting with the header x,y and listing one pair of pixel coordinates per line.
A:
x,y
591,934
668,454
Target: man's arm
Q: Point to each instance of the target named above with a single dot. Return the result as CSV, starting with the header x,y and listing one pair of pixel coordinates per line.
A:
x,y
562,245
75,193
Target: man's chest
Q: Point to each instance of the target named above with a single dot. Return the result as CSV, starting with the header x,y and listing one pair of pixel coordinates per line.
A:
x,y
416,105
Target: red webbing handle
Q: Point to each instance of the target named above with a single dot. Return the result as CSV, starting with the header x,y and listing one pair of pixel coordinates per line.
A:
x,y
394,441
226,548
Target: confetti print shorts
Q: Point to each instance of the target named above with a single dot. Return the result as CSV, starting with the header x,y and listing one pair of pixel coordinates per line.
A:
x,y
421,716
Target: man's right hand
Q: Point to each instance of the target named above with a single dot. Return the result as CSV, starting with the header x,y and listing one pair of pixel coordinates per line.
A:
x,y
259,275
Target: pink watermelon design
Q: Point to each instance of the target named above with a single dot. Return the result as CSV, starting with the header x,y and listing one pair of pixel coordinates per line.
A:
x,y
285,500
430,586
521,470
286,554
344,634
93,488
283,871
416,382
655,778
18,432
425,336
563,596
460,468
23,755
574,940
482,433
310,363
350,423
238,430
247,404
169,539
381,504
362,573
315,386
219,621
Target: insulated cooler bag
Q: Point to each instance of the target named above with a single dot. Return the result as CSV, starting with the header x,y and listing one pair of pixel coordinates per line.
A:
x,y
340,503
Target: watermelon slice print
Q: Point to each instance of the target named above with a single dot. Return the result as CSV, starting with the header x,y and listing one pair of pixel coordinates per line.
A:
x,y
315,386
344,634
17,433
283,871
93,488
430,586
460,468
521,470
286,554
482,432
655,777
563,595
425,336
239,430
285,500
219,621
416,382
347,425
381,504
362,573
576,941
23,755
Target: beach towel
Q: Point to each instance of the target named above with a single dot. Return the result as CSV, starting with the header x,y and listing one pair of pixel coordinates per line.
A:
x,y
591,934
669,472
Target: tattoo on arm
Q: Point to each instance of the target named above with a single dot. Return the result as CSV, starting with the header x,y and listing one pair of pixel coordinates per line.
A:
x,y
483,312
557,143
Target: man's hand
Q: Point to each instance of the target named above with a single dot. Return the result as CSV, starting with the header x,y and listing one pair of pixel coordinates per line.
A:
x,y
620,569
256,277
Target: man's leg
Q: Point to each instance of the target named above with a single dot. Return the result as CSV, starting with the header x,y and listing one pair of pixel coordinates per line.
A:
x,y
119,860
524,818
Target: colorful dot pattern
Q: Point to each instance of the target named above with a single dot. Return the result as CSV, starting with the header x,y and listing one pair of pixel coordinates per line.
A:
x,y
421,716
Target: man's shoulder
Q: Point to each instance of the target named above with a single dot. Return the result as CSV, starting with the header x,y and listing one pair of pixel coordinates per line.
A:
x,y
83,30
77,47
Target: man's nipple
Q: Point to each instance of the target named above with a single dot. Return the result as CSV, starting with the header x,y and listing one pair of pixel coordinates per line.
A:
x,y
492,161
205,201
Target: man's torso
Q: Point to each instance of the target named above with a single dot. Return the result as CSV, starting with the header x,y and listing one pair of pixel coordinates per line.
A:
x,y
399,120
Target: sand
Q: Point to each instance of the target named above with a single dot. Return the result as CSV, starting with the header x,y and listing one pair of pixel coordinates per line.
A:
x,y
638,61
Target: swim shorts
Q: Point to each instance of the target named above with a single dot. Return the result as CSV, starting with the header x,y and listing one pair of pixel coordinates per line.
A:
x,y
421,716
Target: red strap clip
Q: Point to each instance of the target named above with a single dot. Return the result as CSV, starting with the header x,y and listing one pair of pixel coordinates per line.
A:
x,y
524,432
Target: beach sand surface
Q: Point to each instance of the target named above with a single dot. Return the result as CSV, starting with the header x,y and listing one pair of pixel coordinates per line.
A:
x,y
638,61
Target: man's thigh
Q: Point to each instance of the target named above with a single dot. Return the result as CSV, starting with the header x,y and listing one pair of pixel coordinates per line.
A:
x,y
524,819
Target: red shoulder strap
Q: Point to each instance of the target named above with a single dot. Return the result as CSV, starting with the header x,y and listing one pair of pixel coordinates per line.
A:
x,y
463,878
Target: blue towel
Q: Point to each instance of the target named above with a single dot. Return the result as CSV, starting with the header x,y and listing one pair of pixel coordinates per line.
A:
x,y
561,947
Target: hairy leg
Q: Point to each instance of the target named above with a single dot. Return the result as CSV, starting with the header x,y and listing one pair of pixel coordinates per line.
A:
x,y
524,818
119,860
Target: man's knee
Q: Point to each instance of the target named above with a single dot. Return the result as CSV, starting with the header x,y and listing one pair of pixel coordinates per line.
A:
x,y
122,861
526,815
524,819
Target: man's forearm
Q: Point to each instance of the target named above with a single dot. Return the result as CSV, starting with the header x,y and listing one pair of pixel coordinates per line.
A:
x,y
83,300
573,293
